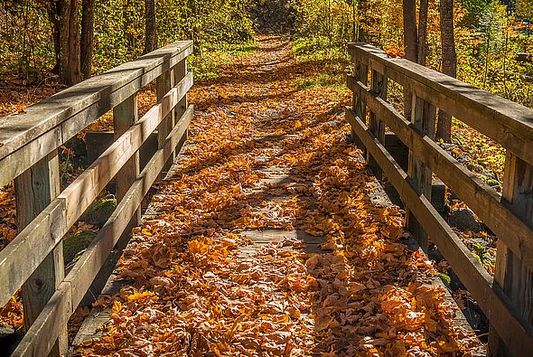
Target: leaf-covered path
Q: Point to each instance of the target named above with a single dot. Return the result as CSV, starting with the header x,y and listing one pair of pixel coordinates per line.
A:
x,y
265,240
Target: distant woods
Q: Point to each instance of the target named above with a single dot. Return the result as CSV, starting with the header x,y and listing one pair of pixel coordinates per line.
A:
x,y
479,41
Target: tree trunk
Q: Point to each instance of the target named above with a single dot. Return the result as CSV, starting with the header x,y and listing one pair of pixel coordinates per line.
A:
x,y
64,16
87,36
150,43
410,45
409,29
422,32
449,63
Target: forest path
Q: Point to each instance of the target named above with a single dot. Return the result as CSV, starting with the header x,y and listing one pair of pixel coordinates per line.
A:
x,y
266,238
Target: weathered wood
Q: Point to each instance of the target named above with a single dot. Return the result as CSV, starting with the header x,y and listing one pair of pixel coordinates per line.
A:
x,y
47,229
163,85
179,72
504,121
379,89
423,119
483,200
71,291
35,189
360,72
491,299
27,138
124,116
80,194
511,274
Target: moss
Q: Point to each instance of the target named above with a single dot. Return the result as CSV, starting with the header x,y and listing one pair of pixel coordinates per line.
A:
x,y
98,212
75,243
445,279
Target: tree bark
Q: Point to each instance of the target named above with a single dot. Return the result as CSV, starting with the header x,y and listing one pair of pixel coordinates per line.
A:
x,y
449,63
150,43
64,16
422,32
410,45
87,37
409,29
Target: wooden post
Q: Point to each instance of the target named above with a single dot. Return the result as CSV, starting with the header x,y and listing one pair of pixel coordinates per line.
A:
x,y
361,74
35,189
376,126
423,117
514,278
179,72
124,116
163,85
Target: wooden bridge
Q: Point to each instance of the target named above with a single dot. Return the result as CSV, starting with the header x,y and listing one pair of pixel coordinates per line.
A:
x,y
29,157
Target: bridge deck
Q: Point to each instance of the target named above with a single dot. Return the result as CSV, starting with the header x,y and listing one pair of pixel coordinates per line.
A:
x,y
268,236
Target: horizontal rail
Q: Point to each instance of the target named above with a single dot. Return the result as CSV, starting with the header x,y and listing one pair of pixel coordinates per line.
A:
x,y
469,270
506,298
41,236
506,122
28,137
481,198
39,338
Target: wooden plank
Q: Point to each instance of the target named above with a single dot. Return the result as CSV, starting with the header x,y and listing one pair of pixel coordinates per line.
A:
x,y
504,121
179,72
82,192
379,89
423,119
163,85
36,341
47,229
361,73
17,130
34,190
511,274
482,199
494,303
125,115
85,270
25,138
19,258
39,339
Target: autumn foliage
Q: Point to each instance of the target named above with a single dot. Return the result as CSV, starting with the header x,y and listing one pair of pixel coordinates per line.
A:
x,y
198,285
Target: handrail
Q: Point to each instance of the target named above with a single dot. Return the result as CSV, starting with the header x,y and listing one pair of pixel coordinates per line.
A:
x,y
28,155
28,137
506,299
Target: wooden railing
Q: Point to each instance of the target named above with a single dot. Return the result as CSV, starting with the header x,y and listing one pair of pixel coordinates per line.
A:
x,y
29,145
506,299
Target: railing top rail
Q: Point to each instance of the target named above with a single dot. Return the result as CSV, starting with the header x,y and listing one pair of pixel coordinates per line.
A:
x,y
506,122
18,130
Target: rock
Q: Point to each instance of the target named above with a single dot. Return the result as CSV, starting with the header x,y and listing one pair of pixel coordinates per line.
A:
x,y
99,211
464,220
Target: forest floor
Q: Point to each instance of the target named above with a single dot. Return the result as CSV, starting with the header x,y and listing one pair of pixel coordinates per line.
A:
x,y
267,241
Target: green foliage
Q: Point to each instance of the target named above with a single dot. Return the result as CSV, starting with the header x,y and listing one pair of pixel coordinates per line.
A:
x,y
333,20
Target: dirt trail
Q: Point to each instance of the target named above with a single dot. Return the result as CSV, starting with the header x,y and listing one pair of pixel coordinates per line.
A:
x,y
265,240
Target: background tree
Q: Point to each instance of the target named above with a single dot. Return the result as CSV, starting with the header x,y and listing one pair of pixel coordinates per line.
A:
x,y
449,63
87,37
150,43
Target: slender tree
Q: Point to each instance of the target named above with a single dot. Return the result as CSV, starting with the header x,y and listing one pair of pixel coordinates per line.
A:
x,y
411,47
87,36
422,32
449,63
150,43
65,19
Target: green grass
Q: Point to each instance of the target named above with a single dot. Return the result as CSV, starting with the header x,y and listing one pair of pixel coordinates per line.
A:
x,y
206,62
331,62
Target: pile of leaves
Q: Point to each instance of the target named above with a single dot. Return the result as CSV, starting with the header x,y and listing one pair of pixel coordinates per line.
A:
x,y
192,291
